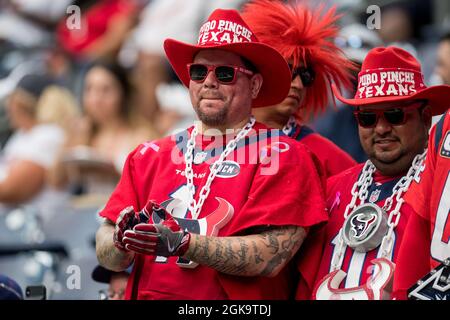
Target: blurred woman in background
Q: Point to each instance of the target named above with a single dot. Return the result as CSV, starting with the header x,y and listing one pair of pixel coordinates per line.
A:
x,y
57,105
102,137
30,151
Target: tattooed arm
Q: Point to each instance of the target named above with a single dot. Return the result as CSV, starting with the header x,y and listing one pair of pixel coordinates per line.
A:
x,y
107,254
263,254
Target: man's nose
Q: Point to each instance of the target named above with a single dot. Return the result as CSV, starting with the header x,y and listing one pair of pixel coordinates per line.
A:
x,y
210,80
297,82
382,127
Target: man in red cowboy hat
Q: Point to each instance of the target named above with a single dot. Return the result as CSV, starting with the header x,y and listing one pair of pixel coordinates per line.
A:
x,y
305,39
356,251
426,240
218,221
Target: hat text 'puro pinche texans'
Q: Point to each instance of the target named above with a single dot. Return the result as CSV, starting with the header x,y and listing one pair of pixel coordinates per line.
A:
x,y
223,31
388,83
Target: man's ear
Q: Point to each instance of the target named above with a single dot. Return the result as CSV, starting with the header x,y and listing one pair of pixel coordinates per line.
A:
x,y
255,84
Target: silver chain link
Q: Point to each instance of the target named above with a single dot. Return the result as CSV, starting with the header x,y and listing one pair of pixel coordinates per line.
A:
x,y
195,207
360,190
401,187
289,125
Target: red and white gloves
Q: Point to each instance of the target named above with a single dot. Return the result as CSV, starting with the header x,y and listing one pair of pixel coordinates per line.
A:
x,y
126,221
163,239
134,233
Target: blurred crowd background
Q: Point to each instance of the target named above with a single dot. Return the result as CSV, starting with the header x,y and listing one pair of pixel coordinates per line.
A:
x,y
79,92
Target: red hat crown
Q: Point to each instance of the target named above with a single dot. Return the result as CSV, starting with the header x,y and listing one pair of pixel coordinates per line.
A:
x,y
225,26
389,72
390,57
393,75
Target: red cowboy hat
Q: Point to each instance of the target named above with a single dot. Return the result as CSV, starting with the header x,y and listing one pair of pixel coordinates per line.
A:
x,y
392,74
226,30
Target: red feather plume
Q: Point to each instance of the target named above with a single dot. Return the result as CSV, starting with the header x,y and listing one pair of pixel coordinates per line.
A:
x,y
305,35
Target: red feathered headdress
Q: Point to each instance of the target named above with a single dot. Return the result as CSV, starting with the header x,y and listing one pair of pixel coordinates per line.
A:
x,y
306,36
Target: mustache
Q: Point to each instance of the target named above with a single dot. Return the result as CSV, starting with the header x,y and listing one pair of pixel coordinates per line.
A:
x,y
295,93
377,138
211,94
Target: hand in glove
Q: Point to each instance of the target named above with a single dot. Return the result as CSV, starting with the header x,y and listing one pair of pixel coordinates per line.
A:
x,y
163,239
127,220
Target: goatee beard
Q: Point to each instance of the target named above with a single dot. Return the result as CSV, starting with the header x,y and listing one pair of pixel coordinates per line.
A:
x,y
212,120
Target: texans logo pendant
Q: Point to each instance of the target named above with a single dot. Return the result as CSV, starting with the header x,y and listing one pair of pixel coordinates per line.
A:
x,y
365,227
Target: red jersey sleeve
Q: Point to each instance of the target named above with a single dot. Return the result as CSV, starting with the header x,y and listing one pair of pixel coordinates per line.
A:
x,y
413,257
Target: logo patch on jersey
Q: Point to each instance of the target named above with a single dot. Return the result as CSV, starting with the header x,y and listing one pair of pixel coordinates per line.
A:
x,y
229,169
374,195
200,157
445,148
280,146
268,151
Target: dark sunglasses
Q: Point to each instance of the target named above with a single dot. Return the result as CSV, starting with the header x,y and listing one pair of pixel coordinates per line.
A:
x,y
394,116
306,74
225,74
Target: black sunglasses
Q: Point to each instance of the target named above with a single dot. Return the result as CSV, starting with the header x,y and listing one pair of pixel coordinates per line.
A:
x,y
225,74
394,116
306,74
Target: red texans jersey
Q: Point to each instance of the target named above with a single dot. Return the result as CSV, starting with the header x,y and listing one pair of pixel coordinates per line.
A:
x,y
334,160
427,238
269,179
315,258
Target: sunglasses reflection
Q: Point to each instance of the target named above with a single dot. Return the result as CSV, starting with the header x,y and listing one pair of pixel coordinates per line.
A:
x,y
225,74
394,116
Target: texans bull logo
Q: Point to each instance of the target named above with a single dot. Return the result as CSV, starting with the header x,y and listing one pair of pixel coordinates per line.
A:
x,y
209,225
377,287
361,227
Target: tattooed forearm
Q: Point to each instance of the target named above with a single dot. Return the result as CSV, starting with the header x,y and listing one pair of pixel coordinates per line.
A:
x,y
222,255
251,255
257,254
282,247
107,254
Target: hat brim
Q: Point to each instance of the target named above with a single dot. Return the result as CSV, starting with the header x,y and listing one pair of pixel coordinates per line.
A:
x,y
272,66
438,98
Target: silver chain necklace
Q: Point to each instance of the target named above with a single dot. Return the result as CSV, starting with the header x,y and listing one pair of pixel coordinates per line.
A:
x,y
357,218
289,125
195,207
